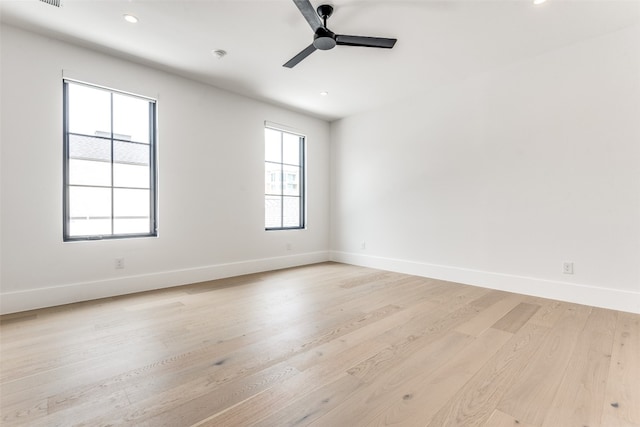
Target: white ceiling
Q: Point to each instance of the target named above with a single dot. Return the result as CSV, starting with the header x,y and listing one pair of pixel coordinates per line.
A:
x,y
439,42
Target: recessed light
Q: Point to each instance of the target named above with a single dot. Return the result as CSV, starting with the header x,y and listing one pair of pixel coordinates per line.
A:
x,y
130,18
536,2
325,93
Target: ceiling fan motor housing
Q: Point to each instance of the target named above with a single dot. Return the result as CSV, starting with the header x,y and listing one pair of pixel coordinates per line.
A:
x,y
324,39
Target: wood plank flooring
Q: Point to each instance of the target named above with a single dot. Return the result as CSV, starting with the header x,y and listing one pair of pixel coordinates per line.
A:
x,y
322,345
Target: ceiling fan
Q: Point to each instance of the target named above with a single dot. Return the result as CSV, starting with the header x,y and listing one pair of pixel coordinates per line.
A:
x,y
324,38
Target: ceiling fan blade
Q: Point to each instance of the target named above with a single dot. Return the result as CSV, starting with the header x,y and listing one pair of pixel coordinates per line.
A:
x,y
309,13
299,57
365,41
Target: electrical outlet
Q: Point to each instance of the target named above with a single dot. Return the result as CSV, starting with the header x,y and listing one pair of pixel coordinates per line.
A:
x,y
288,246
119,263
567,267
363,245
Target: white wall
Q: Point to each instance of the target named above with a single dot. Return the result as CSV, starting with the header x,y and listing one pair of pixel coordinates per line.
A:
x,y
211,176
498,180
494,182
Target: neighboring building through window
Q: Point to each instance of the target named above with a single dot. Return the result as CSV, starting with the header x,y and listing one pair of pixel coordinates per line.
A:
x,y
109,163
284,180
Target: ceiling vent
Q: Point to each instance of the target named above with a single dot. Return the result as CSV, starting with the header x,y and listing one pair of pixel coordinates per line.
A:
x,y
55,3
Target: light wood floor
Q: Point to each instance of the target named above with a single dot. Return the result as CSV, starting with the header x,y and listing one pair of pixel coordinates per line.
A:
x,y
323,345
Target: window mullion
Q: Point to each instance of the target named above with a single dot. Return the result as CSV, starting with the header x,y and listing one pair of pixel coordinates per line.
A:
x,y
300,182
152,185
281,179
66,208
112,172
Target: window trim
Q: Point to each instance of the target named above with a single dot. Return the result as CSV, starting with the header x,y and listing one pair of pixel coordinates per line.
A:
x,y
153,173
303,171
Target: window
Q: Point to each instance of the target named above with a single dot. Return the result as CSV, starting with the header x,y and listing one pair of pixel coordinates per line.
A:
x,y
284,180
109,163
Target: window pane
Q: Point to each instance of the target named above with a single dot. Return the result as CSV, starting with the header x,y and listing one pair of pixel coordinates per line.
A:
x,y
290,149
272,211
90,227
291,177
291,212
272,146
128,152
89,148
89,110
272,178
130,118
89,202
131,225
130,203
130,176
85,172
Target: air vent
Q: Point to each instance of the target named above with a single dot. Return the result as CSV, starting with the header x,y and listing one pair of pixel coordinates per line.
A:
x,y
55,3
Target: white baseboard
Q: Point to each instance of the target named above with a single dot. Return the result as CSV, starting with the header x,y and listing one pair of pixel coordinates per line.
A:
x,y
615,299
30,299
577,293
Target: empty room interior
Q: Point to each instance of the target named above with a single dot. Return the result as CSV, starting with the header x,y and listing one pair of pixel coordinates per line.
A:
x,y
346,213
